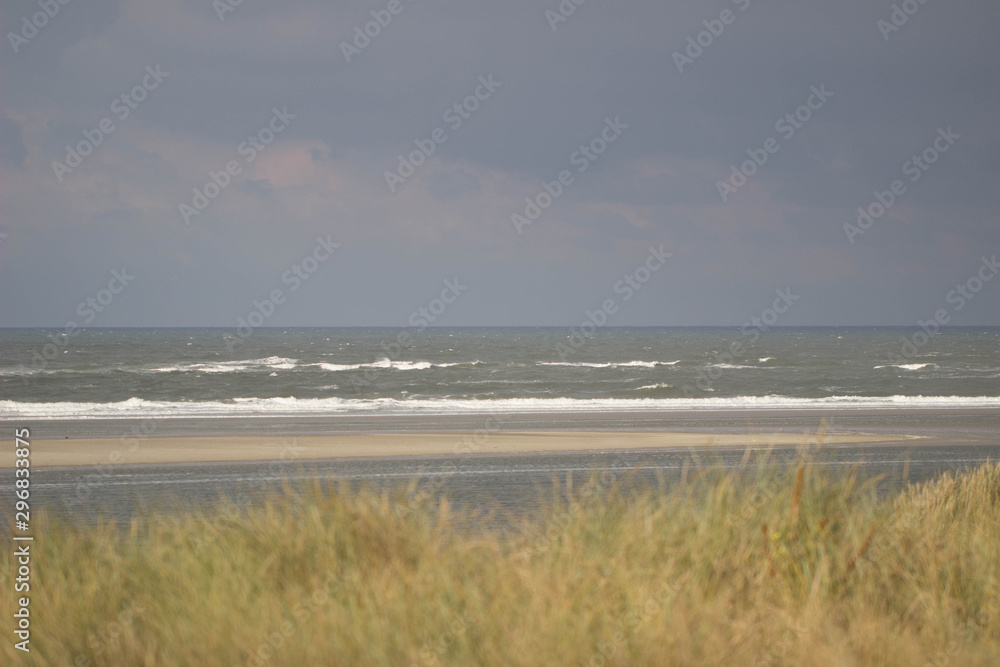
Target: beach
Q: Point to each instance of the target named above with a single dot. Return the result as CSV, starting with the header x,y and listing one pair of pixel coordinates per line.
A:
x,y
194,449
166,441
122,468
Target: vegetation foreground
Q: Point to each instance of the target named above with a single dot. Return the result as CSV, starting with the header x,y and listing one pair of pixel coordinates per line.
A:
x,y
774,566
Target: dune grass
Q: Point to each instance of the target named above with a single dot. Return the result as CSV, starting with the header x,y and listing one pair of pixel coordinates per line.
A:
x,y
777,566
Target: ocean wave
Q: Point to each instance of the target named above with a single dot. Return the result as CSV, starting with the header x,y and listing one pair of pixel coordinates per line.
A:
x,y
20,372
236,366
609,364
240,365
386,363
381,364
243,365
411,365
908,367
339,367
24,371
290,406
658,385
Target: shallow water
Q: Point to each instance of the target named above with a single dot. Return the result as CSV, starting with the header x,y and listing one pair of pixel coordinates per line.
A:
x,y
512,484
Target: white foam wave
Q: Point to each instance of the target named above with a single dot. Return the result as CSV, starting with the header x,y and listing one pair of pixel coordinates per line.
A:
x,y
411,365
658,385
609,364
907,367
24,371
385,363
266,407
268,363
764,360
20,372
338,367
242,365
344,367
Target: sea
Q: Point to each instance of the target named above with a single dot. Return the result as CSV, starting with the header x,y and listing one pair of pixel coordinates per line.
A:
x,y
54,374
117,382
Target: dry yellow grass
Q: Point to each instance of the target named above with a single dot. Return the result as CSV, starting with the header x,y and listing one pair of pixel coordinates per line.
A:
x,y
764,567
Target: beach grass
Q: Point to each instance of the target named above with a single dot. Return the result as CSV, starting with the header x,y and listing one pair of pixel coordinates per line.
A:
x,y
773,565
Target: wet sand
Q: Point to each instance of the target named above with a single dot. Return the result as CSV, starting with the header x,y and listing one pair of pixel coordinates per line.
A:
x,y
190,440
204,448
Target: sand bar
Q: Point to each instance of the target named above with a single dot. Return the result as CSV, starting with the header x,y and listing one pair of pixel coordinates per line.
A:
x,y
191,449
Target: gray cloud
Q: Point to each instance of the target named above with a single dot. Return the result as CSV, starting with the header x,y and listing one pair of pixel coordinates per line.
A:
x,y
324,173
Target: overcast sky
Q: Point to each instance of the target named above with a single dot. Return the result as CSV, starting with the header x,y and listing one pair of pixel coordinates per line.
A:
x,y
199,82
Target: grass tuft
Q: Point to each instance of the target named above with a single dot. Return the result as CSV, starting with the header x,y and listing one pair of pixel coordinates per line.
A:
x,y
744,568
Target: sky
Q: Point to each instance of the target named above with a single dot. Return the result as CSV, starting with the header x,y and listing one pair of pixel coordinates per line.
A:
x,y
183,162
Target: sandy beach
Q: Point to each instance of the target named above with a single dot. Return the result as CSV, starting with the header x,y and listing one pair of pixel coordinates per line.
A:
x,y
203,448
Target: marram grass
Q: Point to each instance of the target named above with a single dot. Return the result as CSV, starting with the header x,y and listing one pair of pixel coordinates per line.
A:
x,y
757,568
